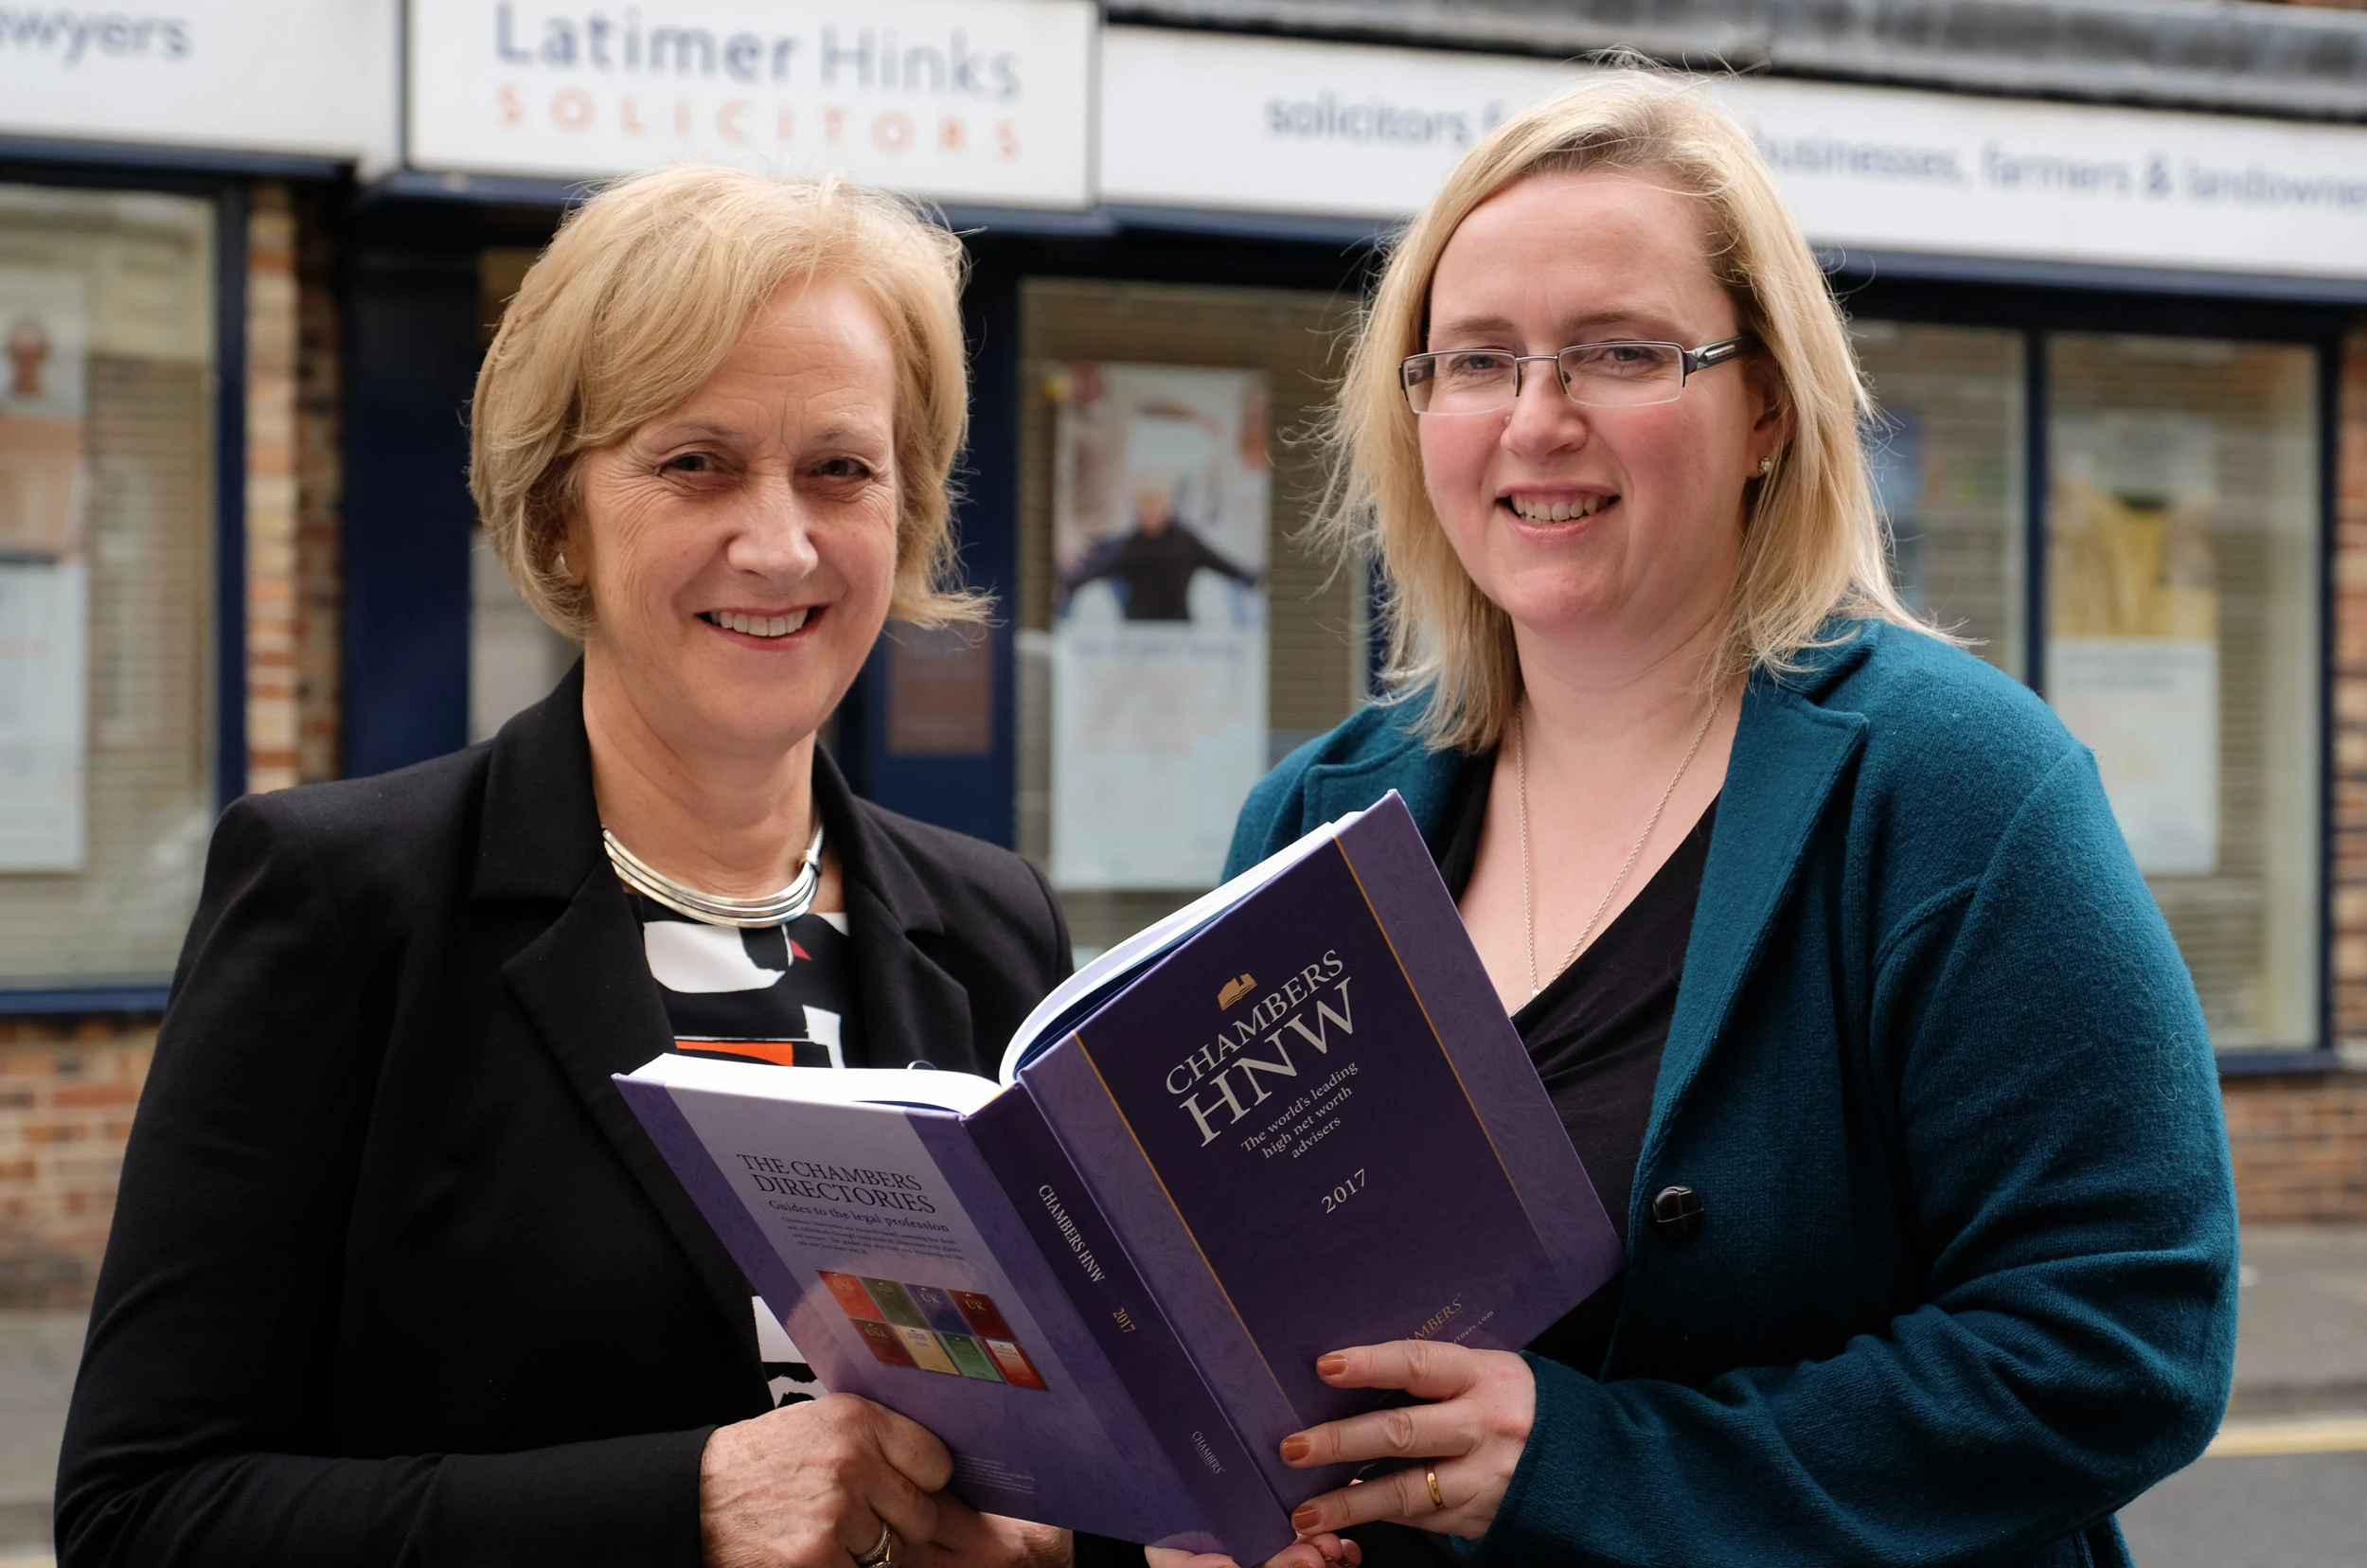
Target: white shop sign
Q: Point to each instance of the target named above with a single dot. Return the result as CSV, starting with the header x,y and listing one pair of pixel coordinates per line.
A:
x,y
316,78
977,101
1207,120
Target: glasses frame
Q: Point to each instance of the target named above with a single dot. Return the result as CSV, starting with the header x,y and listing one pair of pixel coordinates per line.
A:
x,y
1689,361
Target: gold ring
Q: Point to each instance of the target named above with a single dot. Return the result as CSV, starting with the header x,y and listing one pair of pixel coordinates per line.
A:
x,y
1437,1498
882,1554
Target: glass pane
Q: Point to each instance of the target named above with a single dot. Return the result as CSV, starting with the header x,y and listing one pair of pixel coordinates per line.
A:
x,y
106,580
1175,634
514,658
2183,618
1945,453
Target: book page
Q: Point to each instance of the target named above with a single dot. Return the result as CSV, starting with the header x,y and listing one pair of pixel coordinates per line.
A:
x,y
960,1093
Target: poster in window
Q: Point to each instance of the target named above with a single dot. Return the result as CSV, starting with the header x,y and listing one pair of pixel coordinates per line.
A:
x,y
2132,653
44,576
1161,489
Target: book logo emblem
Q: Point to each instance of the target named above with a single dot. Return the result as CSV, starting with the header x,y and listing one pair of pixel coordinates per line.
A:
x,y
1234,988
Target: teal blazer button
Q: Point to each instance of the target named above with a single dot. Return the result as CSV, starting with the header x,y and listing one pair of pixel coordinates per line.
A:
x,y
1677,1210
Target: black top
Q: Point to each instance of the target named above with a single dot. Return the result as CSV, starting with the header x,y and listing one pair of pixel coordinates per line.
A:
x,y
395,1276
1596,1030
1595,1033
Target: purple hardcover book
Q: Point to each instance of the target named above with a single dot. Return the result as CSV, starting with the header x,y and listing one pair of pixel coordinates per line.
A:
x,y
1291,1117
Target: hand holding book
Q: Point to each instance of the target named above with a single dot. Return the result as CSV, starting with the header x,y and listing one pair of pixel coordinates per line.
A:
x,y
1460,1446
1290,1118
816,1483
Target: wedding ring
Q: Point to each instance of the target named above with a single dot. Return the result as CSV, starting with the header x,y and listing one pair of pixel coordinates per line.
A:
x,y
882,1554
1437,1498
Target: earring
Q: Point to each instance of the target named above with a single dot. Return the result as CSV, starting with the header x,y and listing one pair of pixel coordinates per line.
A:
x,y
563,555
1767,466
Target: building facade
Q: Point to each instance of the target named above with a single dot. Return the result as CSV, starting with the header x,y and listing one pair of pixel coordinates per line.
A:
x,y
2106,265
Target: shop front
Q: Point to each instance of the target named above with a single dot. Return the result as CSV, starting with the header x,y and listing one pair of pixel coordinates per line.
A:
x,y
2105,342
2118,354
153,175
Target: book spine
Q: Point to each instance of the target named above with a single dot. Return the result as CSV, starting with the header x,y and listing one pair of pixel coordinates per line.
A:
x,y
1077,1241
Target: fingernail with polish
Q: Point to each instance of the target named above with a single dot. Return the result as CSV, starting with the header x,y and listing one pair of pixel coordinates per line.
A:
x,y
1331,1365
1306,1517
1295,1448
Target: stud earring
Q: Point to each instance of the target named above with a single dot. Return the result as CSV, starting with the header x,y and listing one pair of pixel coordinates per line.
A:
x,y
1767,466
563,555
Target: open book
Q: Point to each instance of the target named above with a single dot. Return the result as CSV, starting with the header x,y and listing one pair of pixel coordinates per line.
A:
x,y
1290,1118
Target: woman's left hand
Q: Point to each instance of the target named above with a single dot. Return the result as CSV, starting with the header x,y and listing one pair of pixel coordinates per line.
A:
x,y
1483,1403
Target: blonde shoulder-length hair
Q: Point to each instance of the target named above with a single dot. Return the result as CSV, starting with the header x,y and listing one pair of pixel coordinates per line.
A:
x,y
646,290
1813,543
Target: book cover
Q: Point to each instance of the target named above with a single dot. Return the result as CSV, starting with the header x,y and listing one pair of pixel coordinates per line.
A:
x,y
1292,1118
889,1252
1314,1126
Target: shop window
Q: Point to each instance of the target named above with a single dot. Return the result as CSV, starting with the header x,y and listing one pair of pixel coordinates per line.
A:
x,y
2181,644
1176,635
107,688
1945,454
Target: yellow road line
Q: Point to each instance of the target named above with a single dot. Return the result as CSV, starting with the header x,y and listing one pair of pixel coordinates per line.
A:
x,y
2289,1435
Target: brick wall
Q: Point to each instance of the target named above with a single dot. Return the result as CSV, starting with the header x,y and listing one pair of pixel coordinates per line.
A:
x,y
67,1088
294,483
270,490
2301,1145
320,486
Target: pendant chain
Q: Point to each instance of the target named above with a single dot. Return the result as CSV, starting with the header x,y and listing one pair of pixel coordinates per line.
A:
x,y
1528,898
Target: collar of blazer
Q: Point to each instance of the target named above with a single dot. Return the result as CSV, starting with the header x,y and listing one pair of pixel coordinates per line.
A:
x,y
585,981
539,838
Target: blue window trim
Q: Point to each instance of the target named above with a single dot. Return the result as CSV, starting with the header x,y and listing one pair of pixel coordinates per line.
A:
x,y
2039,300
221,179
85,1001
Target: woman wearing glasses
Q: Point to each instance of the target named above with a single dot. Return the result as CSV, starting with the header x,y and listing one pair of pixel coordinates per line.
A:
x,y
1819,930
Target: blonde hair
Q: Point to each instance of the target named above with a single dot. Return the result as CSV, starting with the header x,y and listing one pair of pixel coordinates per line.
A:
x,y
646,290
1813,541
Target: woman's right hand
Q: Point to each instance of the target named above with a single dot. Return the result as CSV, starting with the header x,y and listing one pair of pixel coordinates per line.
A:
x,y
809,1485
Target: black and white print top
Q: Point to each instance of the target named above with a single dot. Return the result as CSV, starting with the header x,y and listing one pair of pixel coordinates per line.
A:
x,y
783,994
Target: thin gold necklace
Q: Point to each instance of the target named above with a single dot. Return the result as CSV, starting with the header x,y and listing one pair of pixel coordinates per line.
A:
x,y
1528,898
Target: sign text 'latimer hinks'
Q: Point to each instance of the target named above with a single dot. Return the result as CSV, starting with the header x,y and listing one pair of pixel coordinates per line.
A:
x,y
972,99
856,56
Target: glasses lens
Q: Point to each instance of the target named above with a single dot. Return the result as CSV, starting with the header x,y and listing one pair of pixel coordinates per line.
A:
x,y
1612,375
1466,381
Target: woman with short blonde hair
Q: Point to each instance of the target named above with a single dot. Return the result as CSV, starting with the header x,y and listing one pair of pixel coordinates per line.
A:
x,y
1819,931
395,1276
632,306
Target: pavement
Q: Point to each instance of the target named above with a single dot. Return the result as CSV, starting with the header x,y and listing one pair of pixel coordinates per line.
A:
x,y
2281,1485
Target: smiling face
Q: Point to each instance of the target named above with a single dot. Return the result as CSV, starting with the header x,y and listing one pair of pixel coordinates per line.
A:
x,y
1587,520
741,547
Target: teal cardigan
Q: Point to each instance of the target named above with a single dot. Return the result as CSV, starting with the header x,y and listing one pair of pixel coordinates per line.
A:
x,y
1965,1279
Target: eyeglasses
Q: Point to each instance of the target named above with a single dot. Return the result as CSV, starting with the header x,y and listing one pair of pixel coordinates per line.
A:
x,y
1593,375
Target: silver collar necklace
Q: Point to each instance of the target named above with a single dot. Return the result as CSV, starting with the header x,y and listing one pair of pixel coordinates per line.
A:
x,y
772,910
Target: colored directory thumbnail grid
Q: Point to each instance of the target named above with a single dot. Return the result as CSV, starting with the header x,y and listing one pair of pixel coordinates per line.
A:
x,y
930,1328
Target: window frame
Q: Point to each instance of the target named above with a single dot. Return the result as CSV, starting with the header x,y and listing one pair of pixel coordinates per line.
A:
x,y
224,184
2036,312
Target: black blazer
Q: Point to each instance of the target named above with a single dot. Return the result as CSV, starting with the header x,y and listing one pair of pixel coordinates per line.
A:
x,y
395,1275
